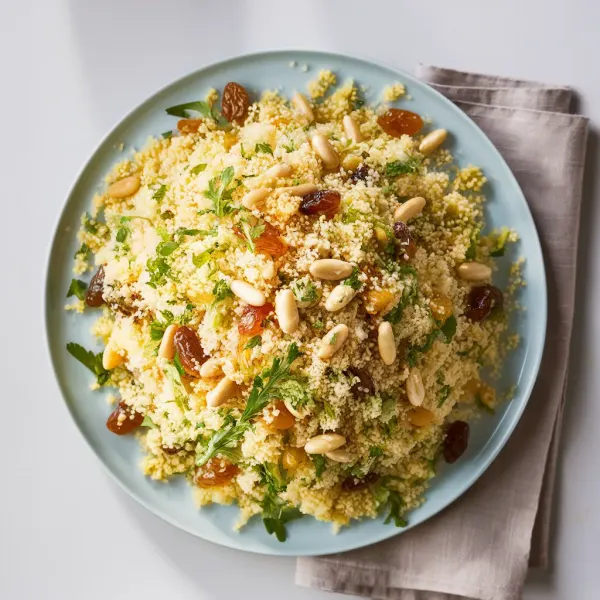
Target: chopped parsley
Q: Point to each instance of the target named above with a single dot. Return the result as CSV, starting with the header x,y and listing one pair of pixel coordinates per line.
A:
x,y
166,134
500,246
389,500
203,258
264,388
148,422
375,451
472,249
182,110
77,288
219,192
159,194
221,291
92,361
264,148
253,342
198,169
333,339
290,147
251,233
305,290
402,167
448,329
158,268
320,464
84,252
353,281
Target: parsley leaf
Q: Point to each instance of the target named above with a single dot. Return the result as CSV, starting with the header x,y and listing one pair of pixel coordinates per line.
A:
x,y
472,249
148,422
375,451
290,147
122,234
166,134
158,269
219,193
500,246
166,248
181,110
320,464
448,329
305,290
84,252
264,148
252,232
353,281
395,315
221,290
92,361
201,259
444,393
253,342
395,504
198,169
264,387
159,194
77,288
399,167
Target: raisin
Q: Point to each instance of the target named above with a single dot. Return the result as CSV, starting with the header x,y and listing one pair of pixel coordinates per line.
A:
x,y
456,441
326,202
353,484
93,296
215,473
189,125
482,299
252,319
123,419
235,103
365,386
397,122
406,245
188,348
360,174
280,417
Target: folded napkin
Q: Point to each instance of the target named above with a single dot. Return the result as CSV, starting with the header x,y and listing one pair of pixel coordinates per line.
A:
x,y
480,547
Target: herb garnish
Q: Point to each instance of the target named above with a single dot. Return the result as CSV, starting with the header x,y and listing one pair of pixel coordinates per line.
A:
x,y
353,281
253,342
77,288
264,148
159,194
198,169
402,167
92,361
219,193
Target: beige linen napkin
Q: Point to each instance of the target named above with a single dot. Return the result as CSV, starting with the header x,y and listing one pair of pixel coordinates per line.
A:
x,y
480,547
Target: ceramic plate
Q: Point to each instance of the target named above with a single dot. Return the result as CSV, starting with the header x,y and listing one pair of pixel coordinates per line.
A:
x,y
120,455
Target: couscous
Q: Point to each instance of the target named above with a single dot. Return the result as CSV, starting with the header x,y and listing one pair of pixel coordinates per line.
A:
x,y
296,303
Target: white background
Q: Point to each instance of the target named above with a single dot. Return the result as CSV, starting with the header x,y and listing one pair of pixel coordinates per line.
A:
x,y
69,71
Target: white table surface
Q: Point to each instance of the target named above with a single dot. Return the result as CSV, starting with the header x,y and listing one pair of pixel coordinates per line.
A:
x,y
70,70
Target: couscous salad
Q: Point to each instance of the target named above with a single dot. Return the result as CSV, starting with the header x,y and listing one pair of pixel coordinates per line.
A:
x,y
296,302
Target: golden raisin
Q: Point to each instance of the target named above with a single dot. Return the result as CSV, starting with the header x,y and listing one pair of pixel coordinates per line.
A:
x,y
441,307
420,417
189,125
292,458
235,103
252,319
279,417
397,122
215,473
123,419
377,300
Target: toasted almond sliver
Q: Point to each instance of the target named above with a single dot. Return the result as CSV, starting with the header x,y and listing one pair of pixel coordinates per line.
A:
x,y
279,171
324,148
341,295
301,189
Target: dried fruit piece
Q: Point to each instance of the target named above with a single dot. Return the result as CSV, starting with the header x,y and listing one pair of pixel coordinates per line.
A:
x,y
269,242
252,319
235,102
215,473
352,484
482,299
365,386
420,417
190,352
397,122
93,296
360,174
123,419
406,245
292,458
325,202
189,125
279,417
456,441
377,300
441,307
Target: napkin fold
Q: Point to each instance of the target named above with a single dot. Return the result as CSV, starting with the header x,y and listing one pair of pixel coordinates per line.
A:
x,y
481,546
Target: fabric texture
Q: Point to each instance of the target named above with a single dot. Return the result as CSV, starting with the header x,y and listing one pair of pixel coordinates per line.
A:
x,y
481,546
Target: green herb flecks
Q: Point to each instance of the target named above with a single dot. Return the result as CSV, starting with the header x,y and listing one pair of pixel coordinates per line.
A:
x,y
291,147
253,342
353,281
219,193
148,422
159,194
500,245
203,258
158,269
221,291
183,110
448,329
320,464
402,167
198,169
375,451
226,439
77,288
264,148
251,233
389,501
305,290
92,361
472,249
84,252
166,134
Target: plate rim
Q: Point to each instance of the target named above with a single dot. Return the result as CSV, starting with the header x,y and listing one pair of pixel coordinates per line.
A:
x,y
541,309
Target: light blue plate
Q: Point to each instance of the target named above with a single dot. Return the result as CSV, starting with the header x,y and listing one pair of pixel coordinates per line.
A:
x,y
173,501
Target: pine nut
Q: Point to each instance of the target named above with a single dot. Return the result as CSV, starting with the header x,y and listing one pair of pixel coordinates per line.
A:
x,y
287,311
166,348
411,208
110,357
415,390
302,106
322,146
333,341
341,295
351,162
223,391
210,369
247,293
281,170
255,197
386,343
331,269
340,455
124,187
352,129
326,442
301,190
474,271
432,141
